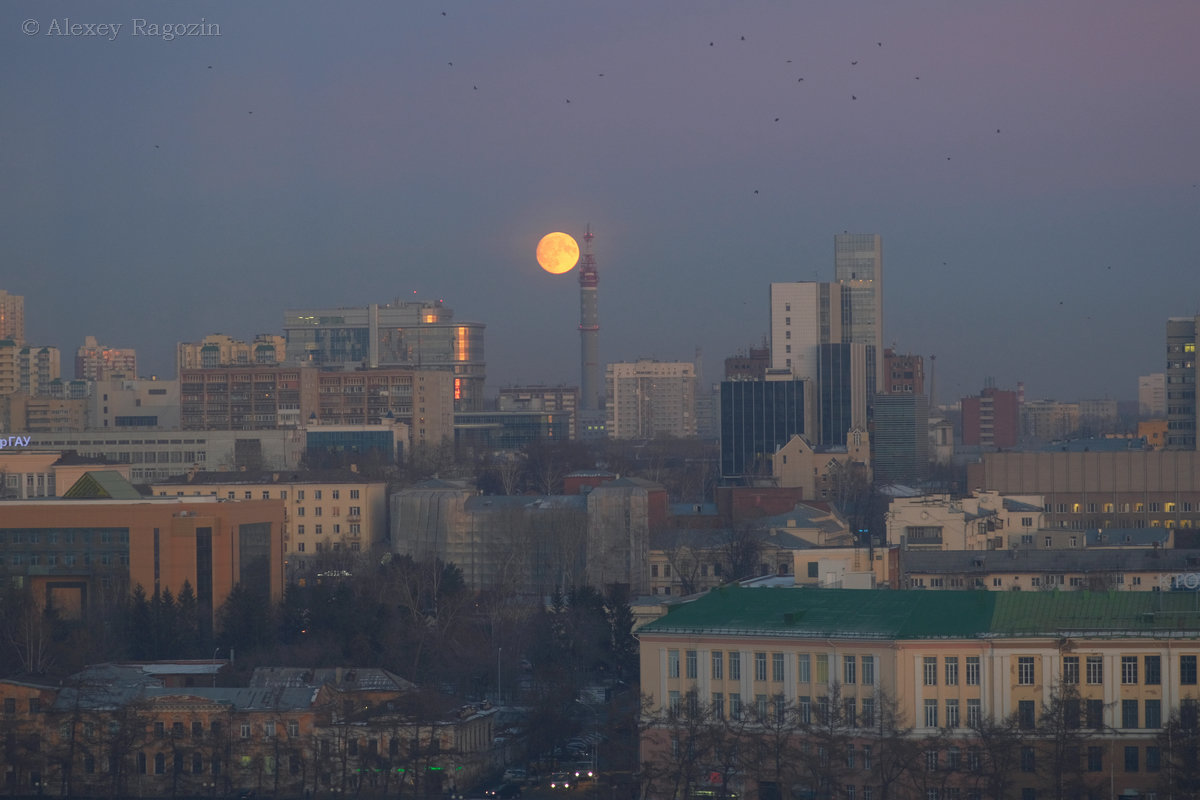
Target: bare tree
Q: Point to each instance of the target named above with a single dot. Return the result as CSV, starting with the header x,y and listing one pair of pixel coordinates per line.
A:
x,y
993,757
1062,742
741,553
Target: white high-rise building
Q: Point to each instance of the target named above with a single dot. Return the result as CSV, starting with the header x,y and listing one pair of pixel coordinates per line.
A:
x,y
650,398
803,317
1152,395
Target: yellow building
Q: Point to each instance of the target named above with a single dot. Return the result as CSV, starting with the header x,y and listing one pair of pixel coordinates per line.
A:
x,y
802,669
796,464
326,511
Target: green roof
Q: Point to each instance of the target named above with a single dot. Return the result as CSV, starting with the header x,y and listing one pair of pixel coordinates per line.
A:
x,y
102,484
917,614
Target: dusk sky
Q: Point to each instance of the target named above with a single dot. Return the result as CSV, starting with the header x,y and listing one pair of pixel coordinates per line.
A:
x,y
1032,167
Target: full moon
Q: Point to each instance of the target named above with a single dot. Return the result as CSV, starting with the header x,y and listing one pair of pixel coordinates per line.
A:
x,y
557,253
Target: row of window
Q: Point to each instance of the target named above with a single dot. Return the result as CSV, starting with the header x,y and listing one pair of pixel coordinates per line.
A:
x,y
319,529
809,668
336,511
1146,670
215,728
1139,507
354,547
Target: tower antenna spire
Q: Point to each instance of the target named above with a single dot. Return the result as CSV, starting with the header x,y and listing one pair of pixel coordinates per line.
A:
x,y
591,394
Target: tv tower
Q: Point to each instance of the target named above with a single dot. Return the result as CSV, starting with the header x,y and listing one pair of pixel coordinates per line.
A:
x,y
591,389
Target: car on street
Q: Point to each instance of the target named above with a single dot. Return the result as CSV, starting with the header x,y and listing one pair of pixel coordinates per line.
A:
x,y
505,791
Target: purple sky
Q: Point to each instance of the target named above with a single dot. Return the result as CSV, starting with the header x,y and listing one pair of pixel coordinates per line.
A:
x,y
332,155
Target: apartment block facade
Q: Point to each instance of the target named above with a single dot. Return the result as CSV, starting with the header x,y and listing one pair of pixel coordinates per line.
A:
x,y
650,398
324,511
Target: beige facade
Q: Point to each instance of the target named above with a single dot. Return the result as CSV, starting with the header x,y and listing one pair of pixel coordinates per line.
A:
x,y
26,474
219,350
1048,420
43,414
945,667
96,362
797,465
38,368
651,398
131,403
324,512
982,521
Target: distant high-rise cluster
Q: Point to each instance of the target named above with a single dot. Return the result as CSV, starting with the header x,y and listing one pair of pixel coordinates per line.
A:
x,y
412,334
98,362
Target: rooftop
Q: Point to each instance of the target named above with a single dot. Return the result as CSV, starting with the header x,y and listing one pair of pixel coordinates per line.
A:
x,y
916,614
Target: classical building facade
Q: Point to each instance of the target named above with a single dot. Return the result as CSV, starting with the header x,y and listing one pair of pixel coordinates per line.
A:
x,y
119,730
786,673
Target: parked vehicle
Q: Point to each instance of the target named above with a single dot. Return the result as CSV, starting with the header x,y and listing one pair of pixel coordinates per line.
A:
x,y
505,791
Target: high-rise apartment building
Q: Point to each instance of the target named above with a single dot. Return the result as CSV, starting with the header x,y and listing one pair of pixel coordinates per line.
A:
x,y
991,418
219,350
409,334
1181,382
804,316
650,398
858,267
12,317
1048,420
98,362
38,368
1152,396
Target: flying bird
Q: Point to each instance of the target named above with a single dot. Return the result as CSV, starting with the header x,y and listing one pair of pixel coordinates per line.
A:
x,y
743,38
777,119
853,97
853,63
879,43
443,13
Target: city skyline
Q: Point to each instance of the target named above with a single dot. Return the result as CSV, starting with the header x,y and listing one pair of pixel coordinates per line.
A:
x,y
1030,171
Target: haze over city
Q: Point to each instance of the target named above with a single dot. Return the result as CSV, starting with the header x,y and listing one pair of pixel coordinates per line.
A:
x,y
1031,169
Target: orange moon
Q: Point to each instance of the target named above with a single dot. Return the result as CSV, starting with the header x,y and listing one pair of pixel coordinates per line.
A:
x,y
557,253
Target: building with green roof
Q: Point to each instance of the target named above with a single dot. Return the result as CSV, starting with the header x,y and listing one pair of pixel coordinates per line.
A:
x,y
1117,666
